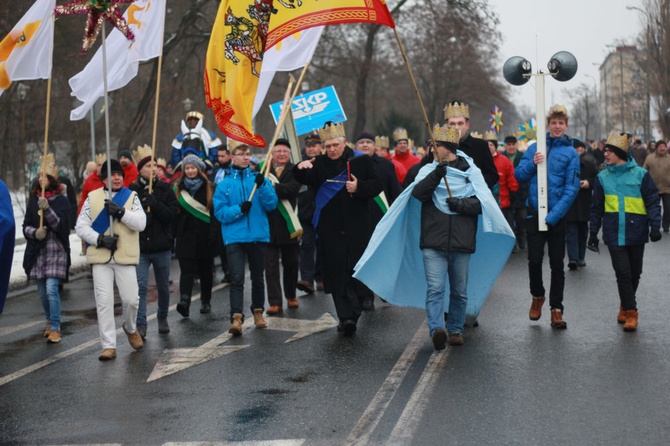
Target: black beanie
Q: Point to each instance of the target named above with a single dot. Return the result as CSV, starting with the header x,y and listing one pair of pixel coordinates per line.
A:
x,y
126,154
283,142
365,135
115,167
620,153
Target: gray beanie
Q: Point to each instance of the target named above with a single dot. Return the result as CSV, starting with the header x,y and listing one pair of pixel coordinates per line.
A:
x,y
194,161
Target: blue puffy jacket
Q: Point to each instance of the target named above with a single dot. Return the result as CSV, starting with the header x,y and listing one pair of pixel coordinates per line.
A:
x,y
562,176
235,189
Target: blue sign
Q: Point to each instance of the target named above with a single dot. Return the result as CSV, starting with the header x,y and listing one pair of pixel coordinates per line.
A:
x,y
312,110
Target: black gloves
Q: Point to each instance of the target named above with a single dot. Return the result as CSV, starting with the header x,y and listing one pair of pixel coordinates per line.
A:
x,y
592,243
259,180
149,200
654,235
108,241
245,206
114,209
455,205
441,169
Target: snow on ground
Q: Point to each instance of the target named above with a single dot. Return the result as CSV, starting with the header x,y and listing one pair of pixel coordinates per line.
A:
x,y
18,277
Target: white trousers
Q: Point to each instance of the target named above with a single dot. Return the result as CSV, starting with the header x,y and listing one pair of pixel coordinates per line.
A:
x,y
103,285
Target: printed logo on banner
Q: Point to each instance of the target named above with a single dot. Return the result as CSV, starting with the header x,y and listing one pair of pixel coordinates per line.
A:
x,y
313,109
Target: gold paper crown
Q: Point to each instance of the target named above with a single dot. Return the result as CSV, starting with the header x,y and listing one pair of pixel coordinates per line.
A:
x,y
490,136
400,133
161,162
456,110
100,158
232,144
351,145
446,133
141,153
194,114
331,131
382,141
558,110
619,140
48,165
476,135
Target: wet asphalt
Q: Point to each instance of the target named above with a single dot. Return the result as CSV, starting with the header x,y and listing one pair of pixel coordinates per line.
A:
x,y
514,382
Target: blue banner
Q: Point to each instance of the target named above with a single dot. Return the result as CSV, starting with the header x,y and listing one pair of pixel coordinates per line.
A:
x,y
313,109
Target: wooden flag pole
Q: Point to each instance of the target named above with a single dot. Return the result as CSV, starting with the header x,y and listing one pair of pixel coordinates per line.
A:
x,y
288,99
423,109
153,137
46,144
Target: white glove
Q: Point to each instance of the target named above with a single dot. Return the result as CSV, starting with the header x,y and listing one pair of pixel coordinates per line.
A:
x,y
42,203
41,233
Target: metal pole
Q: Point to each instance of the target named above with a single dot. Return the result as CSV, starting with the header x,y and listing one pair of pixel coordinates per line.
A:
x,y
92,134
623,120
541,143
107,137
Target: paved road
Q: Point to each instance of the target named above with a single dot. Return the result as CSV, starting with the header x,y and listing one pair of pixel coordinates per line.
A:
x,y
515,382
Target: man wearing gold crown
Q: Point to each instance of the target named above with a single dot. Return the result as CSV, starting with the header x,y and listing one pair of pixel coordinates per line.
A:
x,y
458,115
402,153
345,182
562,188
157,238
422,250
193,124
113,252
626,203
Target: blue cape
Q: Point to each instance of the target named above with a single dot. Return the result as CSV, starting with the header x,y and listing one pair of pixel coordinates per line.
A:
x,y
392,265
7,240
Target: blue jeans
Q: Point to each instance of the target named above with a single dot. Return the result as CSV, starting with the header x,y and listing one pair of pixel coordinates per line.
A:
x,y
161,263
48,292
255,254
439,265
576,234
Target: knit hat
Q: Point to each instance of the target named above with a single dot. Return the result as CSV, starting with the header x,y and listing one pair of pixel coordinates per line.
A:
x,y
511,139
115,167
126,154
283,142
194,161
365,136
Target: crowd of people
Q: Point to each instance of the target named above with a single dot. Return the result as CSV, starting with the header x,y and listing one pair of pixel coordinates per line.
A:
x,y
306,225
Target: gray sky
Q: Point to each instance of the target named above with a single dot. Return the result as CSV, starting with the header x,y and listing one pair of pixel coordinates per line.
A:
x,y
537,29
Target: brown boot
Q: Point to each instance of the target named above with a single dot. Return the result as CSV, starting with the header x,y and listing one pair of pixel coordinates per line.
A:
x,y
47,330
236,327
134,339
535,312
621,317
259,322
631,321
557,319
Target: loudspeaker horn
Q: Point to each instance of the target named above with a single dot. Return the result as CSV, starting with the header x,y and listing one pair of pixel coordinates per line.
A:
x,y
562,66
514,70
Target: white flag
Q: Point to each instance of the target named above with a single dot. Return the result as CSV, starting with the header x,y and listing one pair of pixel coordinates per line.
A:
x,y
26,52
287,55
145,18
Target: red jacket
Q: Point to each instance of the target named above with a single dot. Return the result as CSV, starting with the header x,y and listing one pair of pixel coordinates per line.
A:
x,y
507,181
92,183
129,174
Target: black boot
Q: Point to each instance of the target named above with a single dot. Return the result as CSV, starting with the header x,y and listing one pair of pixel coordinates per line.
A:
x,y
205,307
184,304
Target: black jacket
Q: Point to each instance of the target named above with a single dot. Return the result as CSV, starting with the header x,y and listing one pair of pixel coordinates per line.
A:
x,y
445,232
344,226
581,207
478,150
158,235
194,238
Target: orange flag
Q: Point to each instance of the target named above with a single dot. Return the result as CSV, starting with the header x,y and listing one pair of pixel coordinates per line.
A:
x,y
244,28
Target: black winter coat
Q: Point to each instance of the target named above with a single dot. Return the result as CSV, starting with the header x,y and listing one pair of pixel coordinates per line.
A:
x,y
386,171
344,226
518,199
286,189
446,232
158,235
581,207
478,150
194,238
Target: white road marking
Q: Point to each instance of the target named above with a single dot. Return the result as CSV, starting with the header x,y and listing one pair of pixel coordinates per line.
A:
x,y
360,435
9,330
41,364
176,360
241,443
408,423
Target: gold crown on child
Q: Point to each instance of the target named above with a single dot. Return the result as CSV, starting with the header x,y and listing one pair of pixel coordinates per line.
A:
x,y
49,166
382,141
456,110
141,153
446,133
100,158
